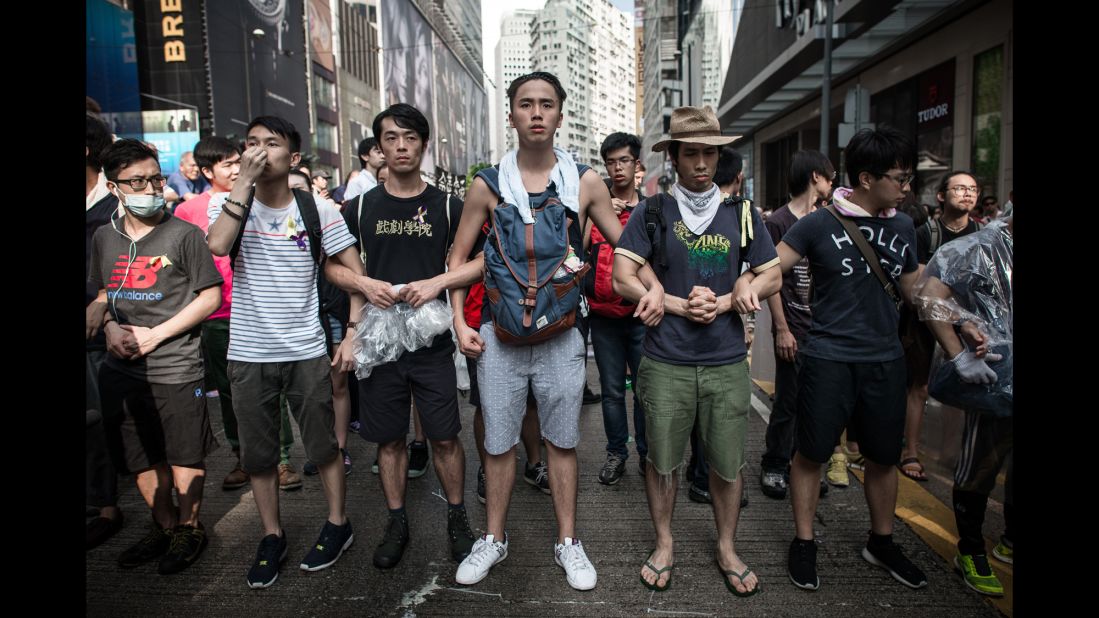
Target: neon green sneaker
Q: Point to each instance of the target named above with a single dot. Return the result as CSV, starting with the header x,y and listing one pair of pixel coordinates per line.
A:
x,y
1003,552
978,574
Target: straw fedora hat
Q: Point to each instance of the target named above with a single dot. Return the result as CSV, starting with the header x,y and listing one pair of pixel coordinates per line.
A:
x,y
696,125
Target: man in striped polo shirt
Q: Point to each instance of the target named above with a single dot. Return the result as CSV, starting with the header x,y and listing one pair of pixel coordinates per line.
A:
x,y
276,342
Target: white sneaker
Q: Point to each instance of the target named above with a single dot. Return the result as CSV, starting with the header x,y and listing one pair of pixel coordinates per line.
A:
x,y
486,553
578,569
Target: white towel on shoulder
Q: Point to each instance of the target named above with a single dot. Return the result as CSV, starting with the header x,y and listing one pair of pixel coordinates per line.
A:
x,y
564,176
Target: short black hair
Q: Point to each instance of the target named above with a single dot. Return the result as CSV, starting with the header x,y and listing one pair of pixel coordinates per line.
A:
x,y
365,147
209,151
729,164
549,78
673,150
618,140
406,117
302,175
278,126
802,166
96,138
124,153
876,151
912,207
944,184
989,197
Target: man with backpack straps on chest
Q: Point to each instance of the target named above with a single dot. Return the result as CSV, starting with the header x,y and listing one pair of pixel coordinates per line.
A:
x,y
616,335
695,360
538,202
276,342
958,193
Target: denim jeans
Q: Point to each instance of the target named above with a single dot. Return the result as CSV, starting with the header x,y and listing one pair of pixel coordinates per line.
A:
x,y
617,344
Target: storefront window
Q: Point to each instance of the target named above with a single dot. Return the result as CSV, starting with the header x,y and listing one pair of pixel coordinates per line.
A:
x,y
988,81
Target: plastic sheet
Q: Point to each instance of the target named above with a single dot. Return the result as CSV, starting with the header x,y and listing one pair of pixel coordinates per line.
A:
x,y
977,269
384,334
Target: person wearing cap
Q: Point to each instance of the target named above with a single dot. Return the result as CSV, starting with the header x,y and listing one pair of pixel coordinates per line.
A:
x,y
320,184
694,361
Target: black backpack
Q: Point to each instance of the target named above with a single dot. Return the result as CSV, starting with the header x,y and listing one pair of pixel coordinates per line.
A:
x,y
331,299
656,226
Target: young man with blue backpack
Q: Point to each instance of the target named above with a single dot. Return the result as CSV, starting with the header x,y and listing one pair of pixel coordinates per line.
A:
x,y
537,202
616,335
694,363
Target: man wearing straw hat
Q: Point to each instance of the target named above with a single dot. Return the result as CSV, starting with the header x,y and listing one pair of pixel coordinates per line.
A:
x,y
694,360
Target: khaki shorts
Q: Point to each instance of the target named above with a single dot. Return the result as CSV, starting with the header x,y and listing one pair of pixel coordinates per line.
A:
x,y
676,396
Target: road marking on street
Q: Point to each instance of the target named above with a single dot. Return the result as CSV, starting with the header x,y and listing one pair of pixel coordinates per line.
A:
x,y
412,599
486,594
761,408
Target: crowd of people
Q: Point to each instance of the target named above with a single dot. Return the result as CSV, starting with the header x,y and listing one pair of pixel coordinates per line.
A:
x,y
258,282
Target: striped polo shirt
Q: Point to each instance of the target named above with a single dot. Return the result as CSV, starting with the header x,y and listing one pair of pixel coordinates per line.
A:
x,y
275,312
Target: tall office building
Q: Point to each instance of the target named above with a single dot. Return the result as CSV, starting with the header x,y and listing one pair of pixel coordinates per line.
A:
x,y
512,60
589,46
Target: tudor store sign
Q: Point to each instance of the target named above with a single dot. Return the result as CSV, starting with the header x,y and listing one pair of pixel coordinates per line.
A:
x,y
939,111
935,105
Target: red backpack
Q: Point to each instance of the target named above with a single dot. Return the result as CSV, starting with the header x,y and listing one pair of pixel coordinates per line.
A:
x,y
598,286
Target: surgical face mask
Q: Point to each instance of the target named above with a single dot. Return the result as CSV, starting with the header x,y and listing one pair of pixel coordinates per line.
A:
x,y
143,204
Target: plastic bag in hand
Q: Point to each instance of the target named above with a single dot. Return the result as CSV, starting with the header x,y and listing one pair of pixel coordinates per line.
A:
x,y
422,325
377,339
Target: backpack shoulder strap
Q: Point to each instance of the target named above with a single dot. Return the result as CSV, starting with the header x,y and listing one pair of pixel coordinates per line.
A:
x,y
936,231
655,227
235,250
307,206
360,210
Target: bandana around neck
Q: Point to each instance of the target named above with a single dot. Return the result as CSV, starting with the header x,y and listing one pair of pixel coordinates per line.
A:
x,y
697,209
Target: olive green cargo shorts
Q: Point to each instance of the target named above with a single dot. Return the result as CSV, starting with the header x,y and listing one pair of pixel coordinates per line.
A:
x,y
674,396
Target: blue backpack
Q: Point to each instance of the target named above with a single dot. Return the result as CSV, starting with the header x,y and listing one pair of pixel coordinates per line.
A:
x,y
532,297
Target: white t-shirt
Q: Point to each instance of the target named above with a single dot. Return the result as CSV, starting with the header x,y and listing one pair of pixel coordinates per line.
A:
x,y
275,312
361,183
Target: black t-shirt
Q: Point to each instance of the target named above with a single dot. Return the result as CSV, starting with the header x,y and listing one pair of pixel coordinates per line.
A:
x,y
854,320
797,283
404,239
711,259
923,237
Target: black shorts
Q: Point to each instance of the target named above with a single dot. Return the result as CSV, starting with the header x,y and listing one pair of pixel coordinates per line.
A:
x,y
427,375
870,397
151,424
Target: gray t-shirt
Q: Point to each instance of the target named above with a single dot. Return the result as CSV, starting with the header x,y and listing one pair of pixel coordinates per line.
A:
x,y
854,320
712,260
171,264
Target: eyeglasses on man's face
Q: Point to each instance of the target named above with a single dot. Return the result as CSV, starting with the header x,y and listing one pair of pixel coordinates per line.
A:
x,y
139,184
960,190
620,162
901,179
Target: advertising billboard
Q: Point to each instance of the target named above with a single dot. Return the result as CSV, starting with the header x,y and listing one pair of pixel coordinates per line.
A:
x,y
406,43
173,64
257,64
110,75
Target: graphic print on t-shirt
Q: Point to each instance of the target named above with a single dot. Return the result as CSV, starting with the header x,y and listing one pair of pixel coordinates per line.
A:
x,y
417,225
708,254
889,241
141,276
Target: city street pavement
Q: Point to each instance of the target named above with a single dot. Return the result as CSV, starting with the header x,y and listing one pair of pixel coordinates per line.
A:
x,y
613,522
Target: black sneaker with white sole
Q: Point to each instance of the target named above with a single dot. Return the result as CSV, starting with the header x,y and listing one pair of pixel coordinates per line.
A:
x,y
329,546
888,555
538,476
801,564
265,570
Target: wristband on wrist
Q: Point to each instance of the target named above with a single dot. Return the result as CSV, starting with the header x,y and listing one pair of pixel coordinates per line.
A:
x,y
230,200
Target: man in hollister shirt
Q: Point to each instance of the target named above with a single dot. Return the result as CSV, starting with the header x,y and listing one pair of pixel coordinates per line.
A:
x,y
852,369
